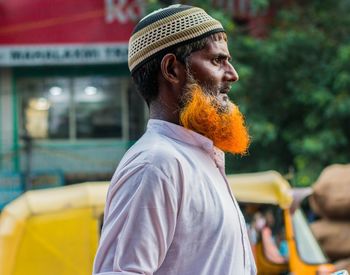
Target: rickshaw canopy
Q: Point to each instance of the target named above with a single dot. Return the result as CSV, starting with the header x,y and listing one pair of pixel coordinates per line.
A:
x,y
44,201
263,187
52,228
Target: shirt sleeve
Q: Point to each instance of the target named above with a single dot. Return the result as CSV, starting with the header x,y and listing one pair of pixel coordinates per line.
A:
x,y
140,223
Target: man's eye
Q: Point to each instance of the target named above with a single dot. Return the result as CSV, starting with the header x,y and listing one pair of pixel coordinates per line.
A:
x,y
217,60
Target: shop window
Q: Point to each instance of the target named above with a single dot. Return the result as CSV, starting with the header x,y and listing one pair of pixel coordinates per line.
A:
x,y
74,108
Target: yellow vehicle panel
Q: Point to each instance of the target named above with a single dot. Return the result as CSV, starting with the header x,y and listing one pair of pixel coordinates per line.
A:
x,y
53,231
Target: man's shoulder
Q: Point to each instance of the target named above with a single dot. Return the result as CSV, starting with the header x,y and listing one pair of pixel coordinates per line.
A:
x,y
156,147
155,150
154,159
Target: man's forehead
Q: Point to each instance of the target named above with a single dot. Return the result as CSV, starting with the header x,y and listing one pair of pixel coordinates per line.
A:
x,y
217,47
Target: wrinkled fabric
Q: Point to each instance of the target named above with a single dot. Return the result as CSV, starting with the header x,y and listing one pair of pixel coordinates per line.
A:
x,y
169,210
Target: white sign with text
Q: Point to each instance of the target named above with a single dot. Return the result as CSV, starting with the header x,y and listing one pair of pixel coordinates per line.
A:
x,y
30,55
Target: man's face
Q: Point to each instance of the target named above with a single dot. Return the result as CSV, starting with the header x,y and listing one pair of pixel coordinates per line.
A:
x,y
206,108
212,70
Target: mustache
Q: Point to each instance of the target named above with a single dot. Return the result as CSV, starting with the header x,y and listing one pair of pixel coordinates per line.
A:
x,y
225,88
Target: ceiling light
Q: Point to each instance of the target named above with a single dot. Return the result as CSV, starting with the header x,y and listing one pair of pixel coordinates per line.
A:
x,y
90,90
55,90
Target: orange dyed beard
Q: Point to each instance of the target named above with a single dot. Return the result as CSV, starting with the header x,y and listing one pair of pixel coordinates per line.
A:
x,y
203,114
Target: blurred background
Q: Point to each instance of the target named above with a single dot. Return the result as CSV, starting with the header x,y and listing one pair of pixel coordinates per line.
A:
x,y
69,110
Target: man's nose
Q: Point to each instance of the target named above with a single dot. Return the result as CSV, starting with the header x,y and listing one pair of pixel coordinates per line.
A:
x,y
231,74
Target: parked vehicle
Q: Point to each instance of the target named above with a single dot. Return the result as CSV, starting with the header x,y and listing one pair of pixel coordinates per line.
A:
x,y
269,191
57,230
52,231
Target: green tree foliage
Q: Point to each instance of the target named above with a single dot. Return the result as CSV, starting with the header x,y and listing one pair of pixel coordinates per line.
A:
x,y
294,86
295,90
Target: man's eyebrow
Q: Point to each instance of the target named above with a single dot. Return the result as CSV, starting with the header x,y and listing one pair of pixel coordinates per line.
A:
x,y
224,56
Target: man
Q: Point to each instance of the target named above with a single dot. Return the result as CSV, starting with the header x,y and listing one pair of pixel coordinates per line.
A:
x,y
169,209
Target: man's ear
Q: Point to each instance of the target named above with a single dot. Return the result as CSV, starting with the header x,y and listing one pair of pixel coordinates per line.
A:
x,y
172,69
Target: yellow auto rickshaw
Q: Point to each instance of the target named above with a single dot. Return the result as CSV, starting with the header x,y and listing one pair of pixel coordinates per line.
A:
x,y
268,189
52,231
56,231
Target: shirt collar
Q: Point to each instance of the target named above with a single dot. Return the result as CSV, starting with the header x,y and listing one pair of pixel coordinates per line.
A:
x,y
182,134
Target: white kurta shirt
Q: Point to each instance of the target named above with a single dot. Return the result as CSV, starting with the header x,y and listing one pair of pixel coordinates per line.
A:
x,y
169,210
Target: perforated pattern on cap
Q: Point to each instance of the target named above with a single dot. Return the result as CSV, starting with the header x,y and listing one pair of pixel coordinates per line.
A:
x,y
169,31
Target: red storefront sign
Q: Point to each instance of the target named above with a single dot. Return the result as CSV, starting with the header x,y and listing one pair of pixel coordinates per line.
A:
x,y
38,32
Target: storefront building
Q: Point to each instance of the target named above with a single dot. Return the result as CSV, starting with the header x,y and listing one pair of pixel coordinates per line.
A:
x,y
67,103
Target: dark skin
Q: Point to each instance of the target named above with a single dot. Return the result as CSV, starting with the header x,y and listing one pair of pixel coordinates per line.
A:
x,y
210,67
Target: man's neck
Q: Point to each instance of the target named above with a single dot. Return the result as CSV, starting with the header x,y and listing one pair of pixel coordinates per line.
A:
x,y
163,112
